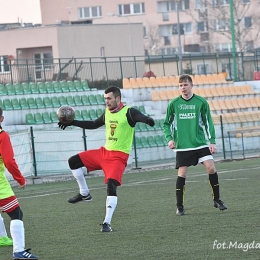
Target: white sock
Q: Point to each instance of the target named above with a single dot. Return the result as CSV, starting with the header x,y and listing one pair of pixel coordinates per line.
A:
x,y
111,203
17,233
2,227
79,176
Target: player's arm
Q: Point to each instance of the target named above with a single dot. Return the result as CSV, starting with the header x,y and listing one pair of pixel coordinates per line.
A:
x,y
7,153
134,116
88,124
208,122
168,122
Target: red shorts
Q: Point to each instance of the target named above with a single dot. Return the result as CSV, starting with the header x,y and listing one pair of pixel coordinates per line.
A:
x,y
113,163
9,204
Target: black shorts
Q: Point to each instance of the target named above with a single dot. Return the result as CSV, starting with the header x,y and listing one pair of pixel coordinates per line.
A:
x,y
188,158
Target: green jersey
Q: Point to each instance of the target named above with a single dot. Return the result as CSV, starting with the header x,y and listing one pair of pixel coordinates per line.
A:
x,y
119,134
190,120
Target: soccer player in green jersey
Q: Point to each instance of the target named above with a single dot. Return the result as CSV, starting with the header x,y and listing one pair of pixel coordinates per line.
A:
x,y
119,121
190,117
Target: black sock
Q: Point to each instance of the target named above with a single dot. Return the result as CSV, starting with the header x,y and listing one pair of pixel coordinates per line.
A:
x,y
213,181
180,187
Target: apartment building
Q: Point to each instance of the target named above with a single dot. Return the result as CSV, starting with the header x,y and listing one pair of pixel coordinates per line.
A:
x,y
204,25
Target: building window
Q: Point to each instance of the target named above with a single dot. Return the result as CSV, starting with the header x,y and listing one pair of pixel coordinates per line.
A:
x,y
167,40
4,66
249,46
221,25
203,69
202,27
90,12
187,28
131,9
220,2
200,4
43,60
245,1
223,47
247,22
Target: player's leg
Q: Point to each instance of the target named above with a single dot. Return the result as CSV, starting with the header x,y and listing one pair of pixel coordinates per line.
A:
x,y
76,163
208,162
113,164
17,229
4,239
111,203
180,190
183,161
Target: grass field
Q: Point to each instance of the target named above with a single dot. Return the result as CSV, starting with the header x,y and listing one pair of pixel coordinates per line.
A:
x,y
144,223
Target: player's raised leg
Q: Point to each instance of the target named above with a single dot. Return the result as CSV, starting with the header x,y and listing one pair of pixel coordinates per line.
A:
x,y
76,165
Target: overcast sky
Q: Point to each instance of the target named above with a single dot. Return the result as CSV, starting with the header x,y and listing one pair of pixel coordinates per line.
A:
x,y
26,11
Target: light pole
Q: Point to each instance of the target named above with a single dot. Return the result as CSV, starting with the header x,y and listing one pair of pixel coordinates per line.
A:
x,y
232,26
179,36
129,31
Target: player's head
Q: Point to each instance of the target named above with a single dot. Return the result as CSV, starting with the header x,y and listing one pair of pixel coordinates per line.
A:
x,y
185,84
185,78
1,115
112,97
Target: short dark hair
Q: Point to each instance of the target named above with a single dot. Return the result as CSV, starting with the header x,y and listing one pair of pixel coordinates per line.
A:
x,y
116,91
185,77
1,111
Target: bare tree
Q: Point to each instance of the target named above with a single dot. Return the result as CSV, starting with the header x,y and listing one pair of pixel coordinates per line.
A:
x,y
153,41
215,14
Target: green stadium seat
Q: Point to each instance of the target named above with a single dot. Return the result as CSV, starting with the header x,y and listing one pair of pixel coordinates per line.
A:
x,y
99,112
18,89
100,99
159,141
46,118
56,87
39,102
41,87
78,85
62,100
84,84
10,89
34,88
29,119
142,110
151,141
15,104
70,101
31,103
77,100
138,143
55,101
85,114
47,102
85,100
3,91
24,103
53,116
157,125
38,118
78,115
93,114
64,86
26,88
49,87
142,127
144,142
72,87
7,104
92,99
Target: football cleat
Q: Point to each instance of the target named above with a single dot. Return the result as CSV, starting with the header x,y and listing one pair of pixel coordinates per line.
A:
x,y
219,204
24,255
106,227
79,198
180,211
6,241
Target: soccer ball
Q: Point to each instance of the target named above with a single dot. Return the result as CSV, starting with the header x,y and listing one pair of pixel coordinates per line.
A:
x,y
66,114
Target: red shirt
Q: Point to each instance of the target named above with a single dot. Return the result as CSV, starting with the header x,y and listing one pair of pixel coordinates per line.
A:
x,y
7,154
